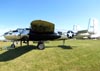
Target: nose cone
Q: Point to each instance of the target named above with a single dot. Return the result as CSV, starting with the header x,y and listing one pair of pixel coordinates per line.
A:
x,y
8,35
11,35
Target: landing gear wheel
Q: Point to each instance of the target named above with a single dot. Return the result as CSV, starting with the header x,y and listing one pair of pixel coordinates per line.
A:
x,y
12,45
40,45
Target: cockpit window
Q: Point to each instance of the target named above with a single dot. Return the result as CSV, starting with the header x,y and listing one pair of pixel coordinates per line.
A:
x,y
6,33
10,33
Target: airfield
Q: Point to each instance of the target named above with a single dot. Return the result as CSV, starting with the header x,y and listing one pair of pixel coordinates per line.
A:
x,y
75,55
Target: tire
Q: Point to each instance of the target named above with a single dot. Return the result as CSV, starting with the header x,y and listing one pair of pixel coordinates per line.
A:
x,y
12,45
41,46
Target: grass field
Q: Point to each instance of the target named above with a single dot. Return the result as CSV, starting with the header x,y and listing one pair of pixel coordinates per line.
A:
x,y
76,55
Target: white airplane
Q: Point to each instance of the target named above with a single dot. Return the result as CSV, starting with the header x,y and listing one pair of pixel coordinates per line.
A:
x,y
85,34
82,34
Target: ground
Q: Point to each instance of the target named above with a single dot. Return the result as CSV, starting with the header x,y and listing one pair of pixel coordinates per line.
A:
x,y
75,55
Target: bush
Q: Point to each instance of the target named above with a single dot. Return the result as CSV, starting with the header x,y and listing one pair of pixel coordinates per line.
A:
x,y
40,26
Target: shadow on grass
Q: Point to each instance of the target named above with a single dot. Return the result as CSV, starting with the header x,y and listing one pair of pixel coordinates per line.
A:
x,y
61,46
65,47
14,53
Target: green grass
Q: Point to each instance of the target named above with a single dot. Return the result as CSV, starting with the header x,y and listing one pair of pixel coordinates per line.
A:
x,y
76,55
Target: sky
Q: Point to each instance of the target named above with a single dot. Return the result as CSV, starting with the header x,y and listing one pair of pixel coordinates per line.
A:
x,y
63,13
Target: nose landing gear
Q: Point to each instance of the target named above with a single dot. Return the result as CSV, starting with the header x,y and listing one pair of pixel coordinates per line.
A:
x,y
12,45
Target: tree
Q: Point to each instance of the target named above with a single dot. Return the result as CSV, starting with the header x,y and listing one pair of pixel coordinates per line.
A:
x,y
40,26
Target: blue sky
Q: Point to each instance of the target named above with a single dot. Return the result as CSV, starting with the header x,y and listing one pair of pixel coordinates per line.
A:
x,y
63,13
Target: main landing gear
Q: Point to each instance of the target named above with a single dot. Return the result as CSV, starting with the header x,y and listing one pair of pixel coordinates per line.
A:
x,y
41,45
